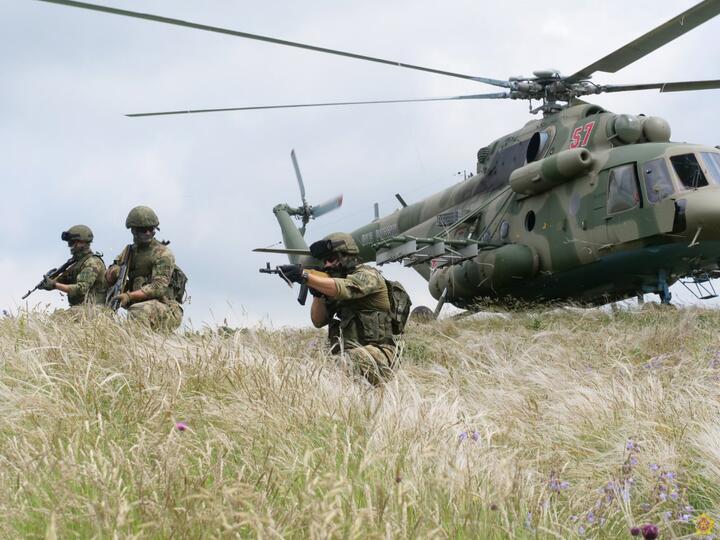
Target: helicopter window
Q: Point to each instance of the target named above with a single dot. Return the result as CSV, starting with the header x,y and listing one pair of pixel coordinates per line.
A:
x,y
658,183
536,146
504,230
689,171
530,221
713,164
623,191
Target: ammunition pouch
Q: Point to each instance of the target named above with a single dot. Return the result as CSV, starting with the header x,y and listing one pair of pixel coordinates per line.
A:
x,y
356,328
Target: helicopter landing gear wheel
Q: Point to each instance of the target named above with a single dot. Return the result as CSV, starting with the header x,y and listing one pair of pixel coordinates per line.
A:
x,y
422,314
664,290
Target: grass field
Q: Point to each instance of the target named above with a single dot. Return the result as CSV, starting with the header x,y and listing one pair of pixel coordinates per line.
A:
x,y
550,424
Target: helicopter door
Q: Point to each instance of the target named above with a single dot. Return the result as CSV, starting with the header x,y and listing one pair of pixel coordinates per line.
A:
x,y
628,216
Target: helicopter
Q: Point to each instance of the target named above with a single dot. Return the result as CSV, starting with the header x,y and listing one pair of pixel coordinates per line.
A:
x,y
581,204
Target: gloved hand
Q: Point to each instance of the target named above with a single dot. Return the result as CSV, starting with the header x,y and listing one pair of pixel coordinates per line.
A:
x,y
124,299
47,284
292,272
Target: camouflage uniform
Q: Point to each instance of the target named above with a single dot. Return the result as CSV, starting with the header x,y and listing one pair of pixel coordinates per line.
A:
x,y
86,279
360,324
151,268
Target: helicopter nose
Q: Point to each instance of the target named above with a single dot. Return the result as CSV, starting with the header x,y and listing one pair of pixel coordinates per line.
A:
x,y
701,209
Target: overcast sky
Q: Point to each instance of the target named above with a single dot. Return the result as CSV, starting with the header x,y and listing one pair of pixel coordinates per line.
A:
x,y
70,156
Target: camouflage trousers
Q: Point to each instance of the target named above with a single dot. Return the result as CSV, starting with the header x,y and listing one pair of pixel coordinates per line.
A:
x,y
81,312
376,363
156,314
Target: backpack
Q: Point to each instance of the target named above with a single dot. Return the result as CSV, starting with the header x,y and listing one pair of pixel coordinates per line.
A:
x,y
399,305
178,281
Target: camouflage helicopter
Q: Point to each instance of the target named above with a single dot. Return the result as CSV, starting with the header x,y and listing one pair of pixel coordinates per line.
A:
x,y
580,204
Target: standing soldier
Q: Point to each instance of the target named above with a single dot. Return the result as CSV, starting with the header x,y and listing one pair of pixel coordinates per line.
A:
x,y
355,304
147,293
83,281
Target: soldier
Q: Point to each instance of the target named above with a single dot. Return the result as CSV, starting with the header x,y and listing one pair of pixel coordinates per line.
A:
x,y
354,303
148,295
83,281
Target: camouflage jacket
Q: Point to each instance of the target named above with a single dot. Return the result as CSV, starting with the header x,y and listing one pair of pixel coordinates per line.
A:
x,y
360,312
151,268
86,279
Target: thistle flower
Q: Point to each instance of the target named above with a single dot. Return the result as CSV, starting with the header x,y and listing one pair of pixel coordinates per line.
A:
x,y
181,426
635,531
649,531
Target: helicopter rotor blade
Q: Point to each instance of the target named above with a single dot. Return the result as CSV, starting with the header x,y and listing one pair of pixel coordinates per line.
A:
x,y
277,41
652,40
327,206
498,95
298,176
665,87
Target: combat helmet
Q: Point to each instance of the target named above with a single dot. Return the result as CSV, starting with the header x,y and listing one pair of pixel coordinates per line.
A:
x,y
77,232
142,216
335,243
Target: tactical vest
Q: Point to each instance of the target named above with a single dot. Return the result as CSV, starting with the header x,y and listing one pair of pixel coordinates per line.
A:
x,y
140,271
355,325
96,294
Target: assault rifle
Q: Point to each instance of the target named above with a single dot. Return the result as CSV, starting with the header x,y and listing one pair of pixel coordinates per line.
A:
x,y
112,299
51,274
302,295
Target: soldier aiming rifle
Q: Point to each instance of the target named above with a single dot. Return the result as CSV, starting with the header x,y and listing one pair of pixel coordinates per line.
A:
x,y
81,276
363,311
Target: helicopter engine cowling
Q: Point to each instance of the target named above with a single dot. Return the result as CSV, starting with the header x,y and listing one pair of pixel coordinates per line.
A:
x,y
486,275
540,176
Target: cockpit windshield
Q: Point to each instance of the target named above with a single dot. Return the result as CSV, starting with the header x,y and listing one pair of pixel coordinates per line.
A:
x,y
712,162
688,170
658,183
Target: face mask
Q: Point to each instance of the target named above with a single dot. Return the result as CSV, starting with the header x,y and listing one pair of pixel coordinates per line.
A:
x,y
143,236
77,248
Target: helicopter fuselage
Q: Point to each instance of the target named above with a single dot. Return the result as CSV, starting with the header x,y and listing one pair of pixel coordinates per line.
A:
x,y
582,205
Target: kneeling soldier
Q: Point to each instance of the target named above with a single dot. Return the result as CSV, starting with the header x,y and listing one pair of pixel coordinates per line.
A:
x,y
147,293
354,303
83,280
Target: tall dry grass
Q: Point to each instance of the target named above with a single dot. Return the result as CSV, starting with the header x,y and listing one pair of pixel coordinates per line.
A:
x,y
529,425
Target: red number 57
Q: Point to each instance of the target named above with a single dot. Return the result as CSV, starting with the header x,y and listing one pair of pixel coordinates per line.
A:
x,y
581,135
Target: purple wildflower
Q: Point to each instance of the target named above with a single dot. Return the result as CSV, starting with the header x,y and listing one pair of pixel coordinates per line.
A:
x,y
654,467
667,516
475,436
685,518
635,531
463,435
649,531
630,445
181,426
581,530
633,461
591,517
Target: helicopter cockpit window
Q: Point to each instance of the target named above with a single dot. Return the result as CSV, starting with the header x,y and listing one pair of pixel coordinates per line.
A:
x,y
712,162
688,170
658,182
623,189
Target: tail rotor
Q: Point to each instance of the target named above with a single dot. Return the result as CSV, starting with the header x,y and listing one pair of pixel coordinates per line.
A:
x,y
306,212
